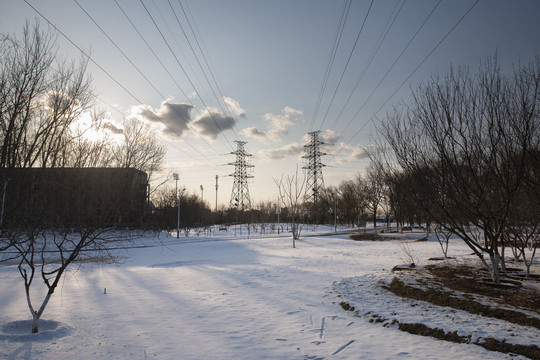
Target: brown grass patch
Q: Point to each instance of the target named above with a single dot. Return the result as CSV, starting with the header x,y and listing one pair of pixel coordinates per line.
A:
x,y
441,297
366,237
465,278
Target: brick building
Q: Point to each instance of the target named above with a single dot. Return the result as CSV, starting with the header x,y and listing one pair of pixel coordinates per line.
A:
x,y
73,196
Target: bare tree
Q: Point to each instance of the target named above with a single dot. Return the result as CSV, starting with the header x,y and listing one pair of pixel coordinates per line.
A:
x,y
461,143
328,200
83,151
291,192
443,238
49,253
350,204
139,149
374,184
39,100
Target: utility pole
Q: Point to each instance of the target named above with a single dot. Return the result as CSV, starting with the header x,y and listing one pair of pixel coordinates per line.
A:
x,y
315,181
216,190
202,193
240,191
176,178
278,207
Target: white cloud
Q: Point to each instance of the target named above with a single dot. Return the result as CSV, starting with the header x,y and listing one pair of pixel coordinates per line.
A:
x,y
253,132
234,107
112,128
330,137
278,125
351,152
282,152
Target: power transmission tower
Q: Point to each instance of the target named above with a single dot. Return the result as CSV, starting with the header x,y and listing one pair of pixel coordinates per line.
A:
x,y
240,191
314,181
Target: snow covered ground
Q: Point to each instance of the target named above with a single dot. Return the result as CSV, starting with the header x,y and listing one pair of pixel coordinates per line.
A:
x,y
238,297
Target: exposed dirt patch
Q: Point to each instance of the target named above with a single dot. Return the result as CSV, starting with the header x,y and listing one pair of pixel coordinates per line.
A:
x,y
464,287
440,297
459,287
465,279
367,237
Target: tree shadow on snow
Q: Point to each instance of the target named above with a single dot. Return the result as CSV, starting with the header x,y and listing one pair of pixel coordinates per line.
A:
x,y
21,331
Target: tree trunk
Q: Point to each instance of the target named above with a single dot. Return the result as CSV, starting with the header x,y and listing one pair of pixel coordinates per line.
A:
x,y
495,275
35,319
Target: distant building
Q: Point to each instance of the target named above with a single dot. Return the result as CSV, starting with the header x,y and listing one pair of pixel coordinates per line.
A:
x,y
73,196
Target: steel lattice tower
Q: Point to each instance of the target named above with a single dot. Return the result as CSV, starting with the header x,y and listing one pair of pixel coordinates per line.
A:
x,y
240,191
314,181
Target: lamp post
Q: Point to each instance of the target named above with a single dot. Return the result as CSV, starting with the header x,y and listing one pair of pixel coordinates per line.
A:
x,y
216,190
176,177
202,193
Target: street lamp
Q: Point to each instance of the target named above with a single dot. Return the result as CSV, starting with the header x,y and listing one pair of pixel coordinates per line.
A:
x,y
216,190
176,177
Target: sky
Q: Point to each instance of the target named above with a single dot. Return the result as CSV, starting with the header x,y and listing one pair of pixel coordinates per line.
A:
x,y
203,74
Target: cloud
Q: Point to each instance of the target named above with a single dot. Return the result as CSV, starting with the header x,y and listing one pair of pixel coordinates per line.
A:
x,y
330,137
112,128
282,152
234,107
253,132
178,118
353,152
278,125
211,124
175,116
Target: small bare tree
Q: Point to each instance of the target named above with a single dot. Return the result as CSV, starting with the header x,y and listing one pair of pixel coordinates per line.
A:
x,y
49,254
291,192
374,187
443,238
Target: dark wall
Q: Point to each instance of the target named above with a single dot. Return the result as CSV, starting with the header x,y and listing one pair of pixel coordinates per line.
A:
x,y
73,196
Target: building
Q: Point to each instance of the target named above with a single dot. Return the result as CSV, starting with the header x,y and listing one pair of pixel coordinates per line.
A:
x,y
73,196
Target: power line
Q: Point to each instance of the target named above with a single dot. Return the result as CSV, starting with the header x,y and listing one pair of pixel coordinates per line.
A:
x,y
166,70
413,72
218,87
185,73
109,75
347,64
199,63
140,72
151,50
333,52
392,66
386,30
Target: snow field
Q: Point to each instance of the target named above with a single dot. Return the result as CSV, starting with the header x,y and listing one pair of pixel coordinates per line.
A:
x,y
223,297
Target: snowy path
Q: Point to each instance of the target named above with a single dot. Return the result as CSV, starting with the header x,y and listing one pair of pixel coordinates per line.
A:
x,y
231,299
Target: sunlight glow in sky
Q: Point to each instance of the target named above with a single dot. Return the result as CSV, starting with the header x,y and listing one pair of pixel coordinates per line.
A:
x,y
263,68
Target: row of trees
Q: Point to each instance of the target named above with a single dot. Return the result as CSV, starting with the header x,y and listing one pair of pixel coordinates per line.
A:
x,y
464,154
463,157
